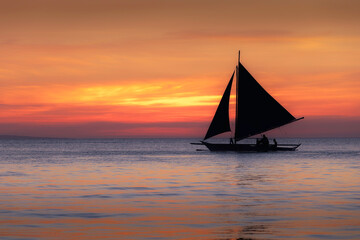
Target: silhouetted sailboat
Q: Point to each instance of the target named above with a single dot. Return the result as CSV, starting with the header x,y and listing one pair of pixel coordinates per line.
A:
x,y
256,112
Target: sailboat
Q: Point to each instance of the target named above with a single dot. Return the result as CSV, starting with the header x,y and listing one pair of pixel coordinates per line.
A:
x,y
256,112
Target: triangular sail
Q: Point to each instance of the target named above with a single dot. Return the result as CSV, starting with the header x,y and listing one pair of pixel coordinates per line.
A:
x,y
221,122
256,110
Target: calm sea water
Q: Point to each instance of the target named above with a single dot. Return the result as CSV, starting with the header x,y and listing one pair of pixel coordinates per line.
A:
x,y
165,189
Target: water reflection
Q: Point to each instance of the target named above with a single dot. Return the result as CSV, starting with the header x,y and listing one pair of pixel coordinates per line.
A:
x,y
184,196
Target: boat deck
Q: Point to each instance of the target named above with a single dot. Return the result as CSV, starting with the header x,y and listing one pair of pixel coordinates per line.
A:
x,y
249,147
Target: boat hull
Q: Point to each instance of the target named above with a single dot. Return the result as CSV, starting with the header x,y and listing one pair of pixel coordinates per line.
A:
x,y
249,147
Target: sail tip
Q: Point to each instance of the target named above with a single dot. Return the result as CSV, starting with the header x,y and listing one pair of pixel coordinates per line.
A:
x,y
299,118
239,56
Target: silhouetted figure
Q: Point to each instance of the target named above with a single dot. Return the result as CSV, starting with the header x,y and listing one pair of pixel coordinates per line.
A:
x,y
262,143
265,140
275,143
231,141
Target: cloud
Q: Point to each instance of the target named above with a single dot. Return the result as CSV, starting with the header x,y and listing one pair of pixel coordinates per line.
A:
x,y
262,35
324,126
103,129
168,61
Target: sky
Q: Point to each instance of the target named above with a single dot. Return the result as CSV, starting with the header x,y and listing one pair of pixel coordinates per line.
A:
x,y
86,68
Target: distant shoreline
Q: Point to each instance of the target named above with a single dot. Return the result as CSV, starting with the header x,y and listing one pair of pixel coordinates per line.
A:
x,y
24,137
17,137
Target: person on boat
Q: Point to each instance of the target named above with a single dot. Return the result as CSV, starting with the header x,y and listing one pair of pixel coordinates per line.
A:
x,y
275,143
231,141
265,141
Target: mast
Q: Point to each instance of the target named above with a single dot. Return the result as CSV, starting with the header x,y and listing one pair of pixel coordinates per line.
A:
x,y
237,96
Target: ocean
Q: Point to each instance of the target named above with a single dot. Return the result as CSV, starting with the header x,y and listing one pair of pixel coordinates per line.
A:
x,y
166,189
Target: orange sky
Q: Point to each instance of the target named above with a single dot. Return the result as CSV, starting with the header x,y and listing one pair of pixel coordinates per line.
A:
x,y
158,68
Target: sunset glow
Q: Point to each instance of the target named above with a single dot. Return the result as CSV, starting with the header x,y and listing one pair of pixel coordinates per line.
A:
x,y
159,68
